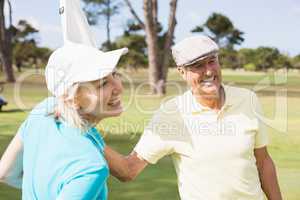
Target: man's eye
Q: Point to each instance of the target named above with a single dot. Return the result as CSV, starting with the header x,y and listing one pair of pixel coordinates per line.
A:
x,y
198,66
212,61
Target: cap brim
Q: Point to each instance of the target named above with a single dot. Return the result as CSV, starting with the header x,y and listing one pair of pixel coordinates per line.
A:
x,y
104,65
200,58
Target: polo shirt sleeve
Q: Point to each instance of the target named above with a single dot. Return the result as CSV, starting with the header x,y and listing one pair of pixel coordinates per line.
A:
x,y
261,137
84,185
156,142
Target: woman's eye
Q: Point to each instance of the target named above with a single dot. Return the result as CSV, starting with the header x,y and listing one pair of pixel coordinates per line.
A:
x,y
116,74
102,84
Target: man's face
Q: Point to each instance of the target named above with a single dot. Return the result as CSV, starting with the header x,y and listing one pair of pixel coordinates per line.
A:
x,y
204,77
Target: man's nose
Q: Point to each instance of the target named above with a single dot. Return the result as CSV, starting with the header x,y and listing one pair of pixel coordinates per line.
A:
x,y
208,69
208,72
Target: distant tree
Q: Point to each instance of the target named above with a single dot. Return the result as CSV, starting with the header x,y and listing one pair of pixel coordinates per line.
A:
x,y
246,55
296,62
283,61
25,49
106,8
158,55
24,31
221,30
6,41
136,57
229,58
266,57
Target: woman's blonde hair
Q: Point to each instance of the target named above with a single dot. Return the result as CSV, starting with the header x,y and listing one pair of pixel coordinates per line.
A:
x,y
66,110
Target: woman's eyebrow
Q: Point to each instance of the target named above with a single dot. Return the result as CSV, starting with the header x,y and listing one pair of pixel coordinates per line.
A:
x,y
101,81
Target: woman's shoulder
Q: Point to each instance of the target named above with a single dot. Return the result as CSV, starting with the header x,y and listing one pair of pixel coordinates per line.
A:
x,y
95,137
44,107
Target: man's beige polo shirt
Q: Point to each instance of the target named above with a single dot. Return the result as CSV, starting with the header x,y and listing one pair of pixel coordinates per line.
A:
x,y
213,152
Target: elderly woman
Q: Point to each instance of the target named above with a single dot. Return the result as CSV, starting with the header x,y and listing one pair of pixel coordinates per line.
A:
x,y
62,150
57,153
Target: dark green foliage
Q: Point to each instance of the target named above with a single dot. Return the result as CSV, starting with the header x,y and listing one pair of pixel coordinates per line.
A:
x,y
221,30
229,58
26,53
136,56
296,61
260,59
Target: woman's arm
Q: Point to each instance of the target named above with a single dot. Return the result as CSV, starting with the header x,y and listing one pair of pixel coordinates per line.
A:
x,y
11,163
87,183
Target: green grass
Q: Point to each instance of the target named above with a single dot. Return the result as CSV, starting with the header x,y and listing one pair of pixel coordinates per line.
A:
x,y
159,181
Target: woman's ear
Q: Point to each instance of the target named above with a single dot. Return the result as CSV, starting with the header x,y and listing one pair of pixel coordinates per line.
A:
x,y
77,100
76,104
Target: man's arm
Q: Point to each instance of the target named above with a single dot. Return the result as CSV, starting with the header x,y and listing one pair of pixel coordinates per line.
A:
x,y
11,164
124,168
267,174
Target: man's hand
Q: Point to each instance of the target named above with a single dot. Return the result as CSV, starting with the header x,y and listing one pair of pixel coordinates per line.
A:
x,y
124,168
267,174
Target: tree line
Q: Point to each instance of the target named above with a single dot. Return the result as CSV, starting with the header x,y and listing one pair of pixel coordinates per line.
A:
x,y
148,40
19,45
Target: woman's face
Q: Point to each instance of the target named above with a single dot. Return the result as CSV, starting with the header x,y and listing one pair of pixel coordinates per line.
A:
x,y
100,99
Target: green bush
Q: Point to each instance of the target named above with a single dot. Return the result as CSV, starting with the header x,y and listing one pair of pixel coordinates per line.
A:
x,y
250,67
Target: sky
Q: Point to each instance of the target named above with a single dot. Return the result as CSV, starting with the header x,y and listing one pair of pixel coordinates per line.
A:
x,y
273,23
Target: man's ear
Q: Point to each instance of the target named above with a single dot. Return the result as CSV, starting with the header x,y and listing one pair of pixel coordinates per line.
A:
x,y
71,102
182,72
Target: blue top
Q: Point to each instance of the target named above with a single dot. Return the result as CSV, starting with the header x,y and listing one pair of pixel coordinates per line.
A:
x,y
60,162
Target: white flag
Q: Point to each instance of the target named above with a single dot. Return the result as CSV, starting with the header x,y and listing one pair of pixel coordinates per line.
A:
x,y
74,24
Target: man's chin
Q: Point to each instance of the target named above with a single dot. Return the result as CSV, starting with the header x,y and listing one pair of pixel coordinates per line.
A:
x,y
210,91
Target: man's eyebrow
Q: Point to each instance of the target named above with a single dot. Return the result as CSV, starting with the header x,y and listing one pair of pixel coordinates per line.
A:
x,y
200,62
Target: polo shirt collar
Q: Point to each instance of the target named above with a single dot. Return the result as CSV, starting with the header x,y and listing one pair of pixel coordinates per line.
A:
x,y
196,108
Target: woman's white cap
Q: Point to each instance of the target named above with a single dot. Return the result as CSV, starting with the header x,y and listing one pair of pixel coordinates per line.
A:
x,y
78,60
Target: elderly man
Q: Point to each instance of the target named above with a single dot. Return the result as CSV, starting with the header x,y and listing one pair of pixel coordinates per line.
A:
x,y
213,133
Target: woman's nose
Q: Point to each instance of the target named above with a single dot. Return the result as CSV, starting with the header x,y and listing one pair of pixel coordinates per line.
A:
x,y
118,86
